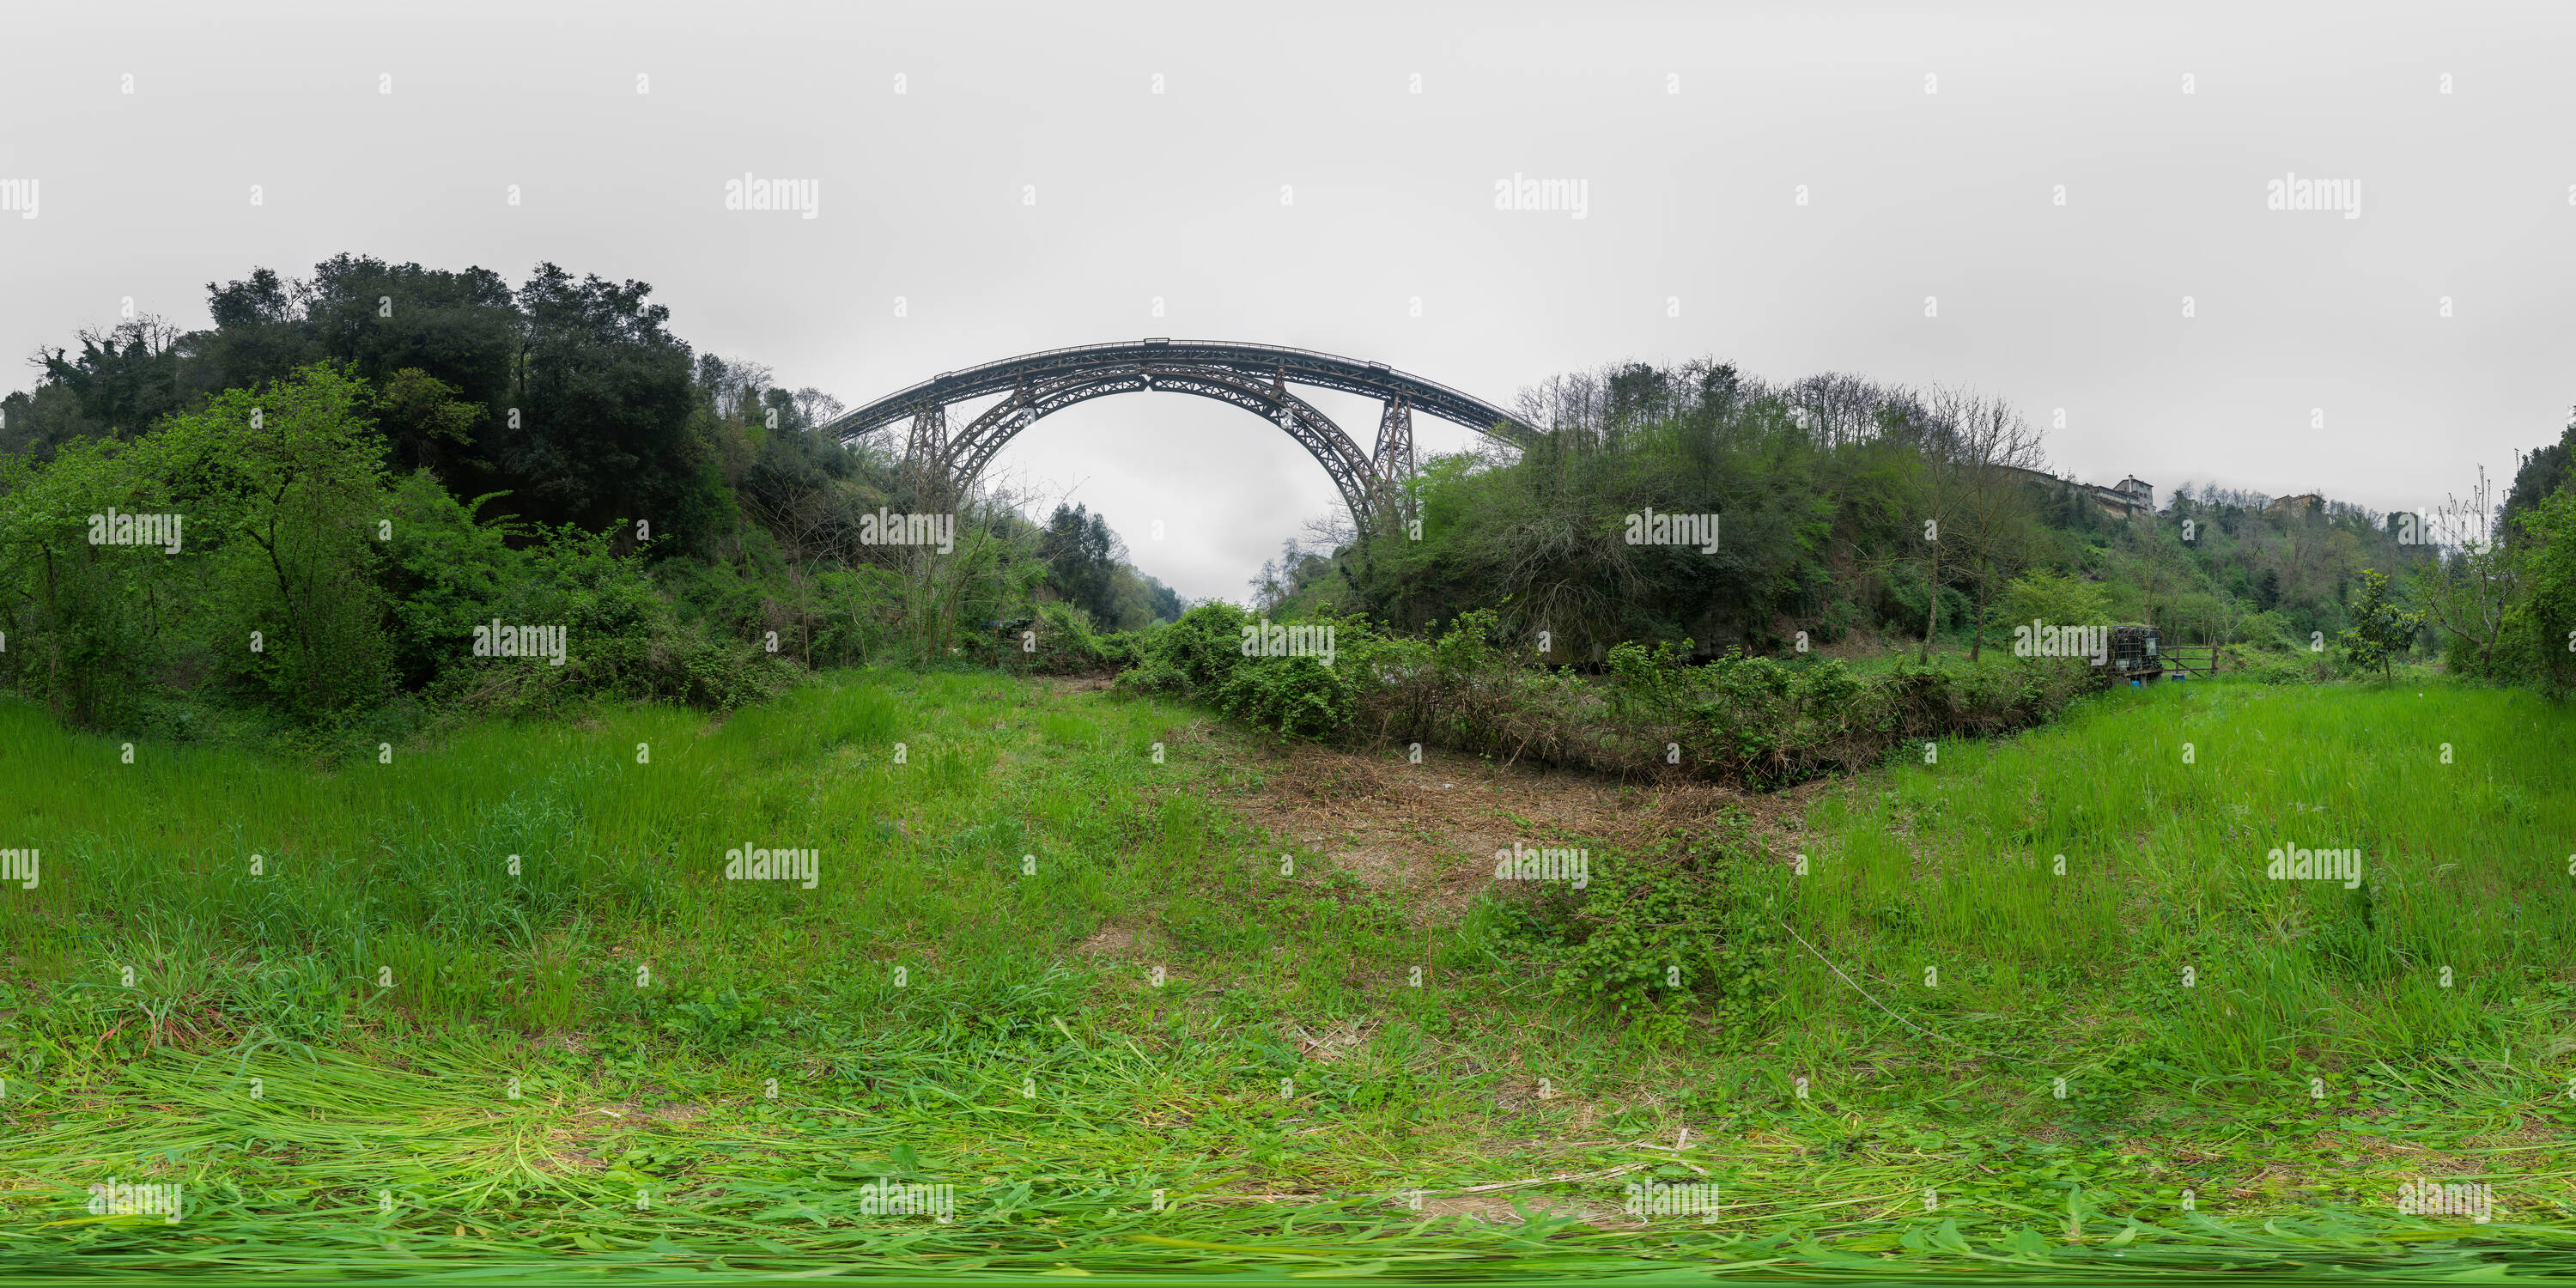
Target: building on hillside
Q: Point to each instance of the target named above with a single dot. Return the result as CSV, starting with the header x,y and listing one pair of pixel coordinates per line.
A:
x,y
2303,504
2129,498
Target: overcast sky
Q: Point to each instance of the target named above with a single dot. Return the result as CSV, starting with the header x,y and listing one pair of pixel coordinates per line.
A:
x,y
1691,127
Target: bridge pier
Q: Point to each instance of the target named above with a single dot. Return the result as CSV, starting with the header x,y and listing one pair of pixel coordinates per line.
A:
x,y
925,453
1393,457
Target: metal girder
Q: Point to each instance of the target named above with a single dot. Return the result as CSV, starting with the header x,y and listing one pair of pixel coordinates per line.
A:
x,y
929,439
1394,454
1351,470
1255,377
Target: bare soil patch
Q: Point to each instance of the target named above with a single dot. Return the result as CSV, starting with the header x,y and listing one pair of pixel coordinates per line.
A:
x,y
1428,832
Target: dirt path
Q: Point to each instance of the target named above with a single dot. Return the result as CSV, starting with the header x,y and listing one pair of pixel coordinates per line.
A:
x,y
1430,830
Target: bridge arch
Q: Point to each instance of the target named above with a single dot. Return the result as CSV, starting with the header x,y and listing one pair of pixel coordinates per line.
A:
x,y
1255,377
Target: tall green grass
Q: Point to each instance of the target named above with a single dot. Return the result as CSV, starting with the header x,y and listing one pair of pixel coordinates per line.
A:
x,y
2164,805
775,1064
485,866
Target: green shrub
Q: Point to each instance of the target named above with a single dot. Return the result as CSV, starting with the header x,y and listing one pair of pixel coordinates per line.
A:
x,y
1681,930
1301,697
1740,718
1066,643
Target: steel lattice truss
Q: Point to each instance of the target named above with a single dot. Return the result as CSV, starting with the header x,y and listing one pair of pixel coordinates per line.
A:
x,y
1255,377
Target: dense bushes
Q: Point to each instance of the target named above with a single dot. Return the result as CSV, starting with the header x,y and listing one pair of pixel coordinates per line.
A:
x,y
1057,639
373,460
1739,719
292,576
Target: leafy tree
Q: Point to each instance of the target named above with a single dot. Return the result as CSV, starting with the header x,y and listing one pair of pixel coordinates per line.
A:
x,y
419,413
2469,591
2544,624
34,423
275,492
1082,559
377,319
2381,630
296,474
605,395
2540,476
125,379
2055,599
90,620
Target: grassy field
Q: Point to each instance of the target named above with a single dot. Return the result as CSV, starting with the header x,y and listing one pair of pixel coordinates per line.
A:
x,y
490,1001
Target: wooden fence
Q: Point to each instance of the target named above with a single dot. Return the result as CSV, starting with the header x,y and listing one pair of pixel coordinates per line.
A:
x,y
2196,659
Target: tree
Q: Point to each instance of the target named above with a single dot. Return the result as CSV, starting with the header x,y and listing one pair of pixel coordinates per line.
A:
x,y
2267,590
2162,568
1977,500
2469,591
2536,480
816,407
273,496
1082,558
298,469
377,319
606,397
420,413
125,379
2381,630
84,614
2545,621
2054,599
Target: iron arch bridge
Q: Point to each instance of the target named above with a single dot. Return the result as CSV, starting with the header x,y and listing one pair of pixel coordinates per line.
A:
x,y
1255,377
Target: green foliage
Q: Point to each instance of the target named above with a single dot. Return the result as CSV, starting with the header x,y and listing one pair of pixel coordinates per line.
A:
x,y
300,471
709,1017
1542,540
1081,556
270,583
1301,697
2543,473
2542,629
2381,631
1192,657
1740,718
309,584
2057,598
89,620
1677,932
1210,655
1064,643
1821,486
